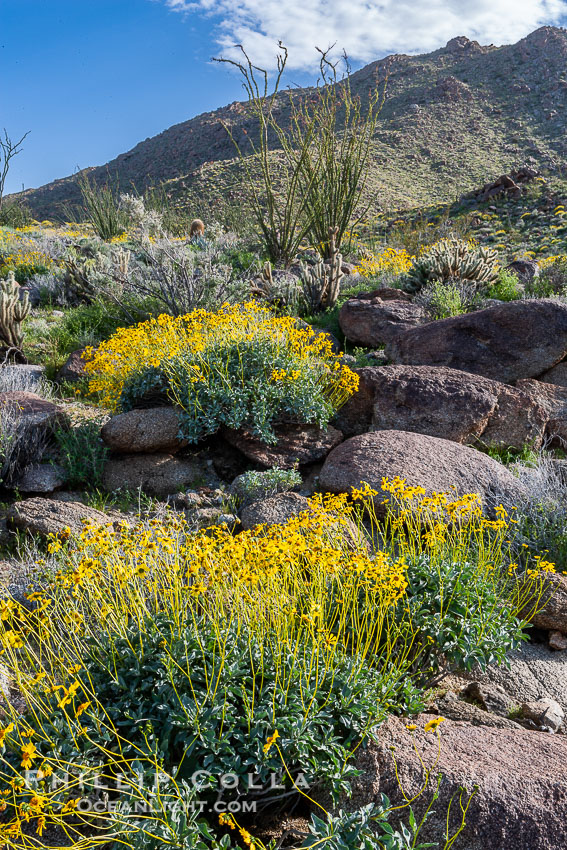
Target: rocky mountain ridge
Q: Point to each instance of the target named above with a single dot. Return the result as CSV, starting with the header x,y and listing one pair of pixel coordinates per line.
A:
x,y
451,119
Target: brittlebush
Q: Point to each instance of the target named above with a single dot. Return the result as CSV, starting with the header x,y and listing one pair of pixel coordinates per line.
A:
x,y
150,653
239,366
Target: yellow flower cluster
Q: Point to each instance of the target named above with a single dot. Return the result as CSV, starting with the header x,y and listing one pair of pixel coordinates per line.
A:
x,y
153,342
312,589
550,261
20,251
395,260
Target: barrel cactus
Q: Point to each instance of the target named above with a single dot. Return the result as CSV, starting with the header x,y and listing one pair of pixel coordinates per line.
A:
x,y
454,260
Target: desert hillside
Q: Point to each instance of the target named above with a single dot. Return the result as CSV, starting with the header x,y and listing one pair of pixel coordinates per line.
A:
x,y
451,119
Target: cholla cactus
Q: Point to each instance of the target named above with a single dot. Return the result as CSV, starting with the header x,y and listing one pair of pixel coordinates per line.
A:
x,y
322,283
13,311
280,292
122,261
454,260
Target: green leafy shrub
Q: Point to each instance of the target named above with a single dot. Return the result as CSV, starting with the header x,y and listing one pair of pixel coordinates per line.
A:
x,y
23,271
552,279
165,653
453,298
458,614
368,827
452,260
506,287
155,662
238,367
254,485
87,324
241,259
83,454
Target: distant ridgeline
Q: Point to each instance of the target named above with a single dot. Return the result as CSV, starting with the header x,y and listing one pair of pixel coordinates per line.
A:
x,y
452,119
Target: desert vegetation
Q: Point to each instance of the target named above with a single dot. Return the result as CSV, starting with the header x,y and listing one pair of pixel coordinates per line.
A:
x,y
278,494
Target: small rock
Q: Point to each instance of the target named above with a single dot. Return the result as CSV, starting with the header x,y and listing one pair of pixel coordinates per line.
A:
x,y
457,709
205,517
7,570
526,270
276,510
50,516
189,500
557,641
373,318
377,357
546,713
296,445
74,367
491,697
155,429
41,478
228,519
158,474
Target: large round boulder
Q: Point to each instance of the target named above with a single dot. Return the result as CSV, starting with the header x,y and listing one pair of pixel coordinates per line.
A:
x,y
509,341
33,410
557,375
442,402
553,399
437,465
49,516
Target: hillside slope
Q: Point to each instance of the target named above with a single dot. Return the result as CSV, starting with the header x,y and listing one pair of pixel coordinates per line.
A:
x,y
451,119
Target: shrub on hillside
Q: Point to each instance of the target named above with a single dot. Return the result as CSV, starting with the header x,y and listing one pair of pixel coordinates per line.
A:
x,y
552,279
506,287
453,298
82,452
239,366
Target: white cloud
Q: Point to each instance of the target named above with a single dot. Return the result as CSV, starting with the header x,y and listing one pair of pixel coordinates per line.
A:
x,y
367,29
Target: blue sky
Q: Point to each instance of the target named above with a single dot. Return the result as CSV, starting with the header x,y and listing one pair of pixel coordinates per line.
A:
x,y
91,78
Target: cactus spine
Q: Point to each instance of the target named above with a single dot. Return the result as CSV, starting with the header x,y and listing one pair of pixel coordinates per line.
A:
x,y
13,311
322,283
